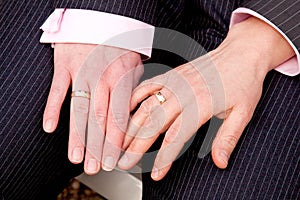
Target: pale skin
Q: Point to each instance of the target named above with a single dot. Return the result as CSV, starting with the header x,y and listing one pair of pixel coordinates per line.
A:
x,y
109,74
251,49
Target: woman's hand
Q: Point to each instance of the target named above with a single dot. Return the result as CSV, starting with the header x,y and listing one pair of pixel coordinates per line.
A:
x,y
109,75
227,83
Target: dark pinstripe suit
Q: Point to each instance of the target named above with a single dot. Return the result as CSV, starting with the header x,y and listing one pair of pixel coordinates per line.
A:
x,y
30,160
265,165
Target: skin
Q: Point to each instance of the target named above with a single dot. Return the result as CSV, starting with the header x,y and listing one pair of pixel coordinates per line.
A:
x,y
251,49
109,74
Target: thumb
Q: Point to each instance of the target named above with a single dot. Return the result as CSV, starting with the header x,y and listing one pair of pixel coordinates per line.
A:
x,y
229,135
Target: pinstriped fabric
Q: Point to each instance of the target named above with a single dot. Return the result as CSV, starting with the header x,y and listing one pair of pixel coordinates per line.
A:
x,y
141,10
266,163
264,166
285,14
32,162
270,143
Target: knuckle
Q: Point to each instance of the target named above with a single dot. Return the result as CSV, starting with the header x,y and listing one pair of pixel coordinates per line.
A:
x,y
162,161
134,147
230,140
145,106
148,133
55,98
134,125
100,117
169,139
94,147
119,117
97,118
52,110
57,91
172,135
120,120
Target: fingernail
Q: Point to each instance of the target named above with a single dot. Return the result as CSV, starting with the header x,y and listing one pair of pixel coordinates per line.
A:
x,y
154,173
48,125
109,163
92,166
123,162
77,155
224,156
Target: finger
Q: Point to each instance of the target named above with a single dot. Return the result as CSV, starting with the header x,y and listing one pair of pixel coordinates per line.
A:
x,y
59,88
170,148
181,130
118,115
143,114
138,73
121,84
146,89
78,120
135,123
159,118
96,128
229,134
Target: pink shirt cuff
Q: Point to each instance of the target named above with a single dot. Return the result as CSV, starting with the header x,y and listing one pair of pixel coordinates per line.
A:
x,y
94,27
290,67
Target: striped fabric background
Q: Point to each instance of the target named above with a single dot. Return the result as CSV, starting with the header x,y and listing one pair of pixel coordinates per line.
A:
x,y
265,165
31,161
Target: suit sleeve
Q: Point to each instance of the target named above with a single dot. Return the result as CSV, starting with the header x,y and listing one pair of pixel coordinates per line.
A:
x,y
142,10
285,14
159,13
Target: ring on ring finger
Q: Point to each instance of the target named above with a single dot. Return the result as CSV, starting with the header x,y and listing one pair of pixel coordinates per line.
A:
x,y
81,93
160,97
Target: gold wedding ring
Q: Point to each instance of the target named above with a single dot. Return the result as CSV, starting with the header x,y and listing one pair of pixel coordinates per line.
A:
x,y
160,97
81,93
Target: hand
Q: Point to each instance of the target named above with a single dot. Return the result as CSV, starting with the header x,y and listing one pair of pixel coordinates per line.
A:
x,y
227,83
109,74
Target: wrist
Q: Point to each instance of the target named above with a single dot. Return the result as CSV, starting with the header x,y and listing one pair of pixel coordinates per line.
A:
x,y
258,40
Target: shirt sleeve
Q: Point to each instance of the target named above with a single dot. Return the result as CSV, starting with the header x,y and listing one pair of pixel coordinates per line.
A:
x,y
94,27
292,66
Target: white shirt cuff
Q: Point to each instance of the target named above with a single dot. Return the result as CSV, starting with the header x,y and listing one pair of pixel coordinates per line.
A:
x,y
292,66
94,27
